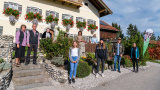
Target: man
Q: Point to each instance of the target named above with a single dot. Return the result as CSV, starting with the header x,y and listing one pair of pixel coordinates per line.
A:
x,y
135,56
118,51
33,37
21,41
94,40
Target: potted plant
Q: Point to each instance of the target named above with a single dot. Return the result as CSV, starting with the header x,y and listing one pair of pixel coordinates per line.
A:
x,y
68,23
81,25
13,14
53,20
92,28
34,17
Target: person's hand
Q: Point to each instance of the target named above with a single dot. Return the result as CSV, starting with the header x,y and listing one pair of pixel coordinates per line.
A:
x,y
121,55
17,45
138,58
28,45
114,54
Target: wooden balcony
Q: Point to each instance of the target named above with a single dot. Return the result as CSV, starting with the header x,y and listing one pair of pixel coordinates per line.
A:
x,y
77,3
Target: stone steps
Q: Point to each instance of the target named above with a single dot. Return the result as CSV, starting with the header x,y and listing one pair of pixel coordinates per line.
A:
x,y
29,76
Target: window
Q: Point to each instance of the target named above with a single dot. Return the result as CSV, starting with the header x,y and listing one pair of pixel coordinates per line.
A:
x,y
80,19
67,16
34,10
55,14
90,21
1,30
13,6
87,38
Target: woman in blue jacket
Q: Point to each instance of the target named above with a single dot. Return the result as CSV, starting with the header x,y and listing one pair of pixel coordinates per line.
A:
x,y
135,56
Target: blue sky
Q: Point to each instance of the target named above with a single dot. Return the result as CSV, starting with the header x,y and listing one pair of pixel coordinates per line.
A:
x,y
143,13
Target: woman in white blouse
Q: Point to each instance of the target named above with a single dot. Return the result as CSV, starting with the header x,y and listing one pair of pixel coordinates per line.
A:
x,y
74,56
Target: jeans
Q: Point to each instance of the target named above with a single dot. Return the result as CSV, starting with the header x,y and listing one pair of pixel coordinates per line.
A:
x,y
135,61
34,47
98,63
117,57
73,67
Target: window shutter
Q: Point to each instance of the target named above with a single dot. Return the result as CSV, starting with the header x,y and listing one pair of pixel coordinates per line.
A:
x,y
40,11
57,15
71,17
63,16
28,9
6,5
20,8
94,22
47,13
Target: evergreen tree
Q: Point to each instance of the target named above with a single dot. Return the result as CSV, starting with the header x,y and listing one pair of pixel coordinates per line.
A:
x,y
153,37
158,38
119,34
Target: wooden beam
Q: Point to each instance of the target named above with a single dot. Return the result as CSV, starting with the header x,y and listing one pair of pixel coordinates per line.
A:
x,y
102,10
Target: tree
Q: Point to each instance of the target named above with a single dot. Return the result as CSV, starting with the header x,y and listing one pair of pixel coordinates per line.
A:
x,y
153,37
158,38
119,34
132,30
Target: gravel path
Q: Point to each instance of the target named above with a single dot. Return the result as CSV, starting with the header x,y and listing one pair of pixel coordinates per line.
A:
x,y
148,79
90,81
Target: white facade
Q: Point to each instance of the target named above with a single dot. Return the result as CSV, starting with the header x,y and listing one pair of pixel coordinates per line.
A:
x,y
87,12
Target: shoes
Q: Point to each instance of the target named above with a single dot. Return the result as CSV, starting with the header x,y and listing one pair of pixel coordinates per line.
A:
x,y
97,75
73,80
70,81
26,63
102,75
119,71
35,63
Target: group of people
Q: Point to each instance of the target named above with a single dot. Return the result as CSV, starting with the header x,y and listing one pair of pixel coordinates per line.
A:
x,y
31,39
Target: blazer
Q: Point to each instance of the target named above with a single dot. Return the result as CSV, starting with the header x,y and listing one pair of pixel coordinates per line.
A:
x,y
114,48
70,57
136,52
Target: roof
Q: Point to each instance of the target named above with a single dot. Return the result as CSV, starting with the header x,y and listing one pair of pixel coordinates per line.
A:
x,y
106,26
102,8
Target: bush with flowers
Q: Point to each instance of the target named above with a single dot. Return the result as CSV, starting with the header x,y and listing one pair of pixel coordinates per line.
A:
x,y
31,16
81,24
10,11
66,22
51,18
92,27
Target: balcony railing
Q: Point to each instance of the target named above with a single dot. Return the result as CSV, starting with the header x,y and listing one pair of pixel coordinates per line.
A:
x,y
74,2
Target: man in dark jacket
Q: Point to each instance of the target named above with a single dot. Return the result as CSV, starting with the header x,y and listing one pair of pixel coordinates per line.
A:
x,y
118,51
33,37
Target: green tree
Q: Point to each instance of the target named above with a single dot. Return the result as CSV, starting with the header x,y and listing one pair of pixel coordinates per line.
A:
x,y
153,37
158,38
132,30
119,34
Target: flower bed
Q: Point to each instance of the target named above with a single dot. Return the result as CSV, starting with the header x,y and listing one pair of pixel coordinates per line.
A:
x,y
31,16
66,22
50,19
10,11
81,24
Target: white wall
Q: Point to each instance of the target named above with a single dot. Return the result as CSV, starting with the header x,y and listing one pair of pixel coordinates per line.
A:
x,y
87,12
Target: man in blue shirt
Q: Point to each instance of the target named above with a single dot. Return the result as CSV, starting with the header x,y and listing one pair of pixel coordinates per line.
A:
x,y
118,51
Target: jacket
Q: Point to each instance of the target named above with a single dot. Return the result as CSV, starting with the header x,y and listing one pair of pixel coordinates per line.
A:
x,y
70,57
114,48
101,53
136,52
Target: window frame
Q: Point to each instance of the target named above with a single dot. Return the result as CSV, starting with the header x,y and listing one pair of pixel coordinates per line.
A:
x,y
90,21
63,16
49,12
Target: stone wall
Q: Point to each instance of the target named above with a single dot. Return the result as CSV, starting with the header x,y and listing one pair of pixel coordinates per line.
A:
x,y
6,46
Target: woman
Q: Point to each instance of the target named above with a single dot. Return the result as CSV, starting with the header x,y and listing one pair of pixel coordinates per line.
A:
x,y
101,55
74,56
135,56
81,43
52,34
47,34
21,41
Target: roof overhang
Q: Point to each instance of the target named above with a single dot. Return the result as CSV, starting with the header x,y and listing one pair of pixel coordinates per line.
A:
x,y
102,8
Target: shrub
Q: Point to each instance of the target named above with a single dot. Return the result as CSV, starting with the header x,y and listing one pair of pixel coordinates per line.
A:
x,y
81,24
92,26
1,60
127,62
66,22
51,18
31,16
83,69
10,11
